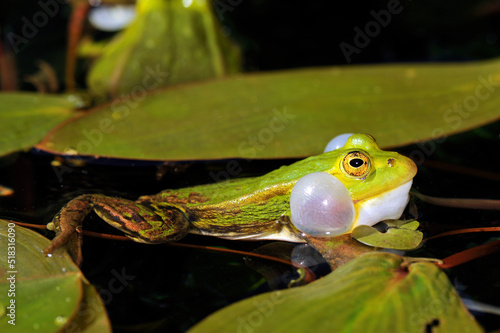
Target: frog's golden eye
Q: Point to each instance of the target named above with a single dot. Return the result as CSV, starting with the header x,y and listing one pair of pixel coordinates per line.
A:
x,y
356,164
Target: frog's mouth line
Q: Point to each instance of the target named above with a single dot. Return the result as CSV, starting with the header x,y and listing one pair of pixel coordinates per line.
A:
x,y
386,206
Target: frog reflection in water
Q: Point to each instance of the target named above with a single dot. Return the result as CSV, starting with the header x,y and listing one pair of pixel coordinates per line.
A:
x,y
354,184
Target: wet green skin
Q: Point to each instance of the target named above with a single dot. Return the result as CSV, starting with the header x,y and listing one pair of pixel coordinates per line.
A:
x,y
248,208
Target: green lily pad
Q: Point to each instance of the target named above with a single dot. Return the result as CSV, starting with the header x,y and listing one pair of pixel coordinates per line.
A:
x,y
290,113
27,117
44,294
400,235
372,293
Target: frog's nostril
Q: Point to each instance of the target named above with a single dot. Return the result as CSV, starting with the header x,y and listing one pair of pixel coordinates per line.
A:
x,y
391,162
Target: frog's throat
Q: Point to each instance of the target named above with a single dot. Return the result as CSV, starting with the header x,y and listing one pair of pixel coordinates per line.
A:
x,y
386,206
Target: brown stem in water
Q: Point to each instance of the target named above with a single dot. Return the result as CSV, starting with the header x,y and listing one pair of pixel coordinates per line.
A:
x,y
78,16
470,254
460,203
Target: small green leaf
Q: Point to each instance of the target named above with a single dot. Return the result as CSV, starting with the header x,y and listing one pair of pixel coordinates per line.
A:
x,y
372,293
405,224
400,235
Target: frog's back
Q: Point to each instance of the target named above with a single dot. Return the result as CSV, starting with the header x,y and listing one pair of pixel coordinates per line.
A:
x,y
277,182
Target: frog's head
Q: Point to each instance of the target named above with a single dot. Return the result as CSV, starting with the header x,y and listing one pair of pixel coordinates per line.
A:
x,y
369,185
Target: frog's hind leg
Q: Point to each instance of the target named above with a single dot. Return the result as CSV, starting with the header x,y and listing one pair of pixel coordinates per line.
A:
x,y
143,222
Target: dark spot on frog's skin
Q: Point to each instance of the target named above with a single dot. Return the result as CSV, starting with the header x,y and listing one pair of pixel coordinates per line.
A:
x,y
391,162
174,198
196,197
429,328
285,220
196,215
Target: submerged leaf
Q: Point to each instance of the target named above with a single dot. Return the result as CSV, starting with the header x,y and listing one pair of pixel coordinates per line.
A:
x,y
372,293
288,113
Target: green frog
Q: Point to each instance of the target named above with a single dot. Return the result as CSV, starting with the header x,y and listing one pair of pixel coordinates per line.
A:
x,y
326,195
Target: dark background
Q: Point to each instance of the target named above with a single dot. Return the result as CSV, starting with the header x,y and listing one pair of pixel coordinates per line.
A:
x,y
282,34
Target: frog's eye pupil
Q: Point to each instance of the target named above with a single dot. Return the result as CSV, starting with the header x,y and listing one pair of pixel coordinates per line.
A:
x,y
356,162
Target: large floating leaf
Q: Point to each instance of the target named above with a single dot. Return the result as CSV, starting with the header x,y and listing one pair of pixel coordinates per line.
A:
x,y
372,293
25,118
288,114
48,294
170,41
